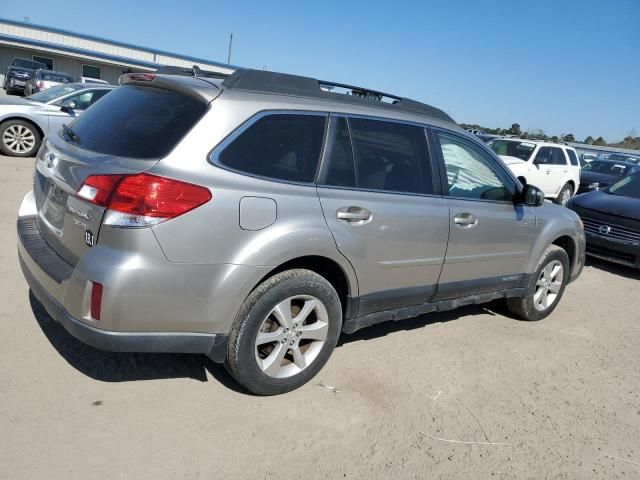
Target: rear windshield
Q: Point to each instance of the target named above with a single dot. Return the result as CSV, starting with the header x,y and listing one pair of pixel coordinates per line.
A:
x,y
136,122
56,77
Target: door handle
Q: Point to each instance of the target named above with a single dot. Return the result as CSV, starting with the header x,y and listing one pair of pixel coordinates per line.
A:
x,y
465,220
355,215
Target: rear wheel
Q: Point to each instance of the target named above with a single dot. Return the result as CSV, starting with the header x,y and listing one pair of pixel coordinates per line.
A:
x,y
284,332
565,195
545,288
19,138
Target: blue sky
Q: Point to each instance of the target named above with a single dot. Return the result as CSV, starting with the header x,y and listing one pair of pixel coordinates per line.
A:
x,y
566,66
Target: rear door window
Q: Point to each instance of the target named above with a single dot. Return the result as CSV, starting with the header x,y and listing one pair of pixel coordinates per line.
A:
x,y
573,158
136,122
280,146
390,156
557,156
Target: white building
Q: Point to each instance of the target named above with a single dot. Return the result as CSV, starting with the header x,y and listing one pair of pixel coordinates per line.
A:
x,y
84,55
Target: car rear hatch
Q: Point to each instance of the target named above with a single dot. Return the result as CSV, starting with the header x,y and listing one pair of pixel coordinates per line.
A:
x,y
124,134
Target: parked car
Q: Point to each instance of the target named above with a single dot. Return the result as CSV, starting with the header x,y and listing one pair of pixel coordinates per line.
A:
x,y
18,73
585,158
599,174
620,157
44,79
25,121
612,221
552,167
92,80
255,219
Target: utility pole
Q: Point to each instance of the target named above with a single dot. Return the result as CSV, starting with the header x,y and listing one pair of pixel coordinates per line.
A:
x,y
230,44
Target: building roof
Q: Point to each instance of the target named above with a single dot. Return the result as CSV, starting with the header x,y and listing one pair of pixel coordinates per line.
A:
x,y
31,35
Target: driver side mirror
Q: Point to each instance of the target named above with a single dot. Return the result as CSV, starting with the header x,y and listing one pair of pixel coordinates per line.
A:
x,y
532,196
68,106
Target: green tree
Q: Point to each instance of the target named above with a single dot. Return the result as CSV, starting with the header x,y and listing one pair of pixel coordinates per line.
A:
x,y
600,142
554,138
569,137
515,129
589,140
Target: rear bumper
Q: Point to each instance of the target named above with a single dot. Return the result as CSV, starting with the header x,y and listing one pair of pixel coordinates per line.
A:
x,y
212,345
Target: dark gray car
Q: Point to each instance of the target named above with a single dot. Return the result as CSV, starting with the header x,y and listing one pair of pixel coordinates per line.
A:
x,y
254,219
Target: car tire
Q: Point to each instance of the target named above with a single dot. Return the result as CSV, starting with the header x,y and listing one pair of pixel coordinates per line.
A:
x,y
545,288
19,138
565,195
269,352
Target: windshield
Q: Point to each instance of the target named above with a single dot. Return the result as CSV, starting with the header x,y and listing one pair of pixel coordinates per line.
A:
x,y
53,93
24,63
608,168
627,187
512,148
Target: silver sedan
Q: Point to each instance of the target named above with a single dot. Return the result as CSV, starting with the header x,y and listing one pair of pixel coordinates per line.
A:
x,y
24,122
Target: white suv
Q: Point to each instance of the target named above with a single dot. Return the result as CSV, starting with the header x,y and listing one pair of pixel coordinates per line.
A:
x,y
552,167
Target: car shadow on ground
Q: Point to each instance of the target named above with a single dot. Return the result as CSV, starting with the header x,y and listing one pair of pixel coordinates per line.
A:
x,y
614,268
125,367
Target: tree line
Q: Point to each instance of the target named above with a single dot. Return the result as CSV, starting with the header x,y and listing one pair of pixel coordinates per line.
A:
x,y
632,140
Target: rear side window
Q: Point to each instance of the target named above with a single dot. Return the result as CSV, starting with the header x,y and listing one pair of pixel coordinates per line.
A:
x,y
573,158
389,156
137,122
280,146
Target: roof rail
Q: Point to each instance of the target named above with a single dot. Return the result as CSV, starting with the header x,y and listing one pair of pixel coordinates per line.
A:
x,y
261,81
194,71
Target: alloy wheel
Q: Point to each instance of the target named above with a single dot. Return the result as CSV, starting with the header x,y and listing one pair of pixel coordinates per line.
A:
x,y
19,139
291,336
548,285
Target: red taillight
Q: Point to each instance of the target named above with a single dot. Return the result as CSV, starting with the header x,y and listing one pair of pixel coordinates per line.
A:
x,y
159,197
143,199
96,300
142,77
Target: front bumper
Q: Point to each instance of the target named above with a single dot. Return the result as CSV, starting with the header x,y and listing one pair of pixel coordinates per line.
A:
x,y
580,258
614,251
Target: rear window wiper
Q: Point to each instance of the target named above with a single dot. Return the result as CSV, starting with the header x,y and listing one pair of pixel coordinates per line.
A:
x,y
70,133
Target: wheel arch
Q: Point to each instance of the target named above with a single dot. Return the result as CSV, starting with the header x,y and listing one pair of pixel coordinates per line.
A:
x,y
326,267
568,245
24,119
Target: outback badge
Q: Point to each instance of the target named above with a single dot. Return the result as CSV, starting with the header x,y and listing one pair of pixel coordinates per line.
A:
x,y
88,238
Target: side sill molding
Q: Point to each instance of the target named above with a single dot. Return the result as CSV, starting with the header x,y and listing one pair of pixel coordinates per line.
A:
x,y
352,325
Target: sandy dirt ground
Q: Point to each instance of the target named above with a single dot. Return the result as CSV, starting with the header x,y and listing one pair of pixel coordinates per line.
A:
x,y
556,399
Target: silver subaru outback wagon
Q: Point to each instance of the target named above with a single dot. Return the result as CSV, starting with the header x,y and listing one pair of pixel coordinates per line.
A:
x,y
255,218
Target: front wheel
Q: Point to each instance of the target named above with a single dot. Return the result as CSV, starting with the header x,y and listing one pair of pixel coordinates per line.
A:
x,y
565,195
19,138
284,332
545,288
